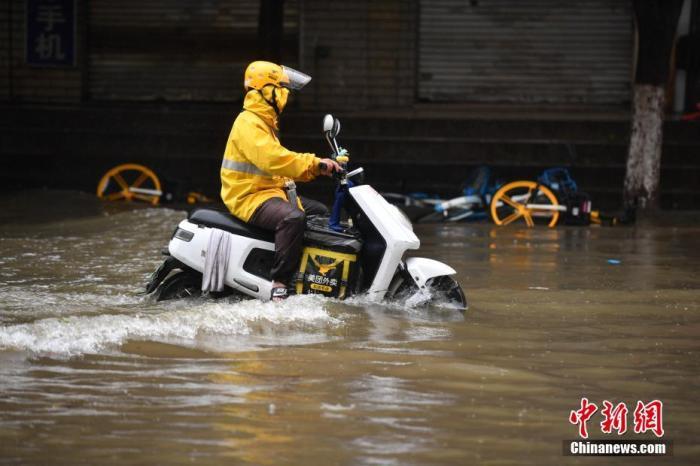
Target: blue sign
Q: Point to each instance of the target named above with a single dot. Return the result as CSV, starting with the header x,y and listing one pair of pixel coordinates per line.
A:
x,y
50,32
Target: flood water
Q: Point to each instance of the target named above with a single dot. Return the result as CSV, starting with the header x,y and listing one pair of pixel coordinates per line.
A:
x,y
91,372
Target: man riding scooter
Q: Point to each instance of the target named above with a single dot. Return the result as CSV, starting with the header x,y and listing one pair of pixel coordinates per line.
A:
x,y
258,173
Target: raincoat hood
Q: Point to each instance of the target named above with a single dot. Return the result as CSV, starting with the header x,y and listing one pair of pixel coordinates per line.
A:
x,y
254,102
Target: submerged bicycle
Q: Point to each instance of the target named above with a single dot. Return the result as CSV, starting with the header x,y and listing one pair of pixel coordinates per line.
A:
x,y
477,192
552,198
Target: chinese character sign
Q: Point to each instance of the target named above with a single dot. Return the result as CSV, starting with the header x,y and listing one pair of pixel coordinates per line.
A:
x,y
615,418
580,417
647,417
50,32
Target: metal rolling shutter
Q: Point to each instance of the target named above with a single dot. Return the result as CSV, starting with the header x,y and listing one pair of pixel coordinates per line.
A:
x,y
361,54
176,49
528,51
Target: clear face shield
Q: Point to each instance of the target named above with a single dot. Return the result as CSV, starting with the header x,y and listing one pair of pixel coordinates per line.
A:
x,y
296,79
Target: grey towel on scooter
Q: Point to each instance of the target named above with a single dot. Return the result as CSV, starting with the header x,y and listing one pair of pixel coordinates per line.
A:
x,y
216,261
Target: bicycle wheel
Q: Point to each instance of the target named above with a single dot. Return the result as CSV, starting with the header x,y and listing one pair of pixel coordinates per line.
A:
x,y
130,182
526,200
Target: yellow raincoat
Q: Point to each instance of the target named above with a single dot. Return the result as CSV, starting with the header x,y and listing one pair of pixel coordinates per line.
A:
x,y
256,165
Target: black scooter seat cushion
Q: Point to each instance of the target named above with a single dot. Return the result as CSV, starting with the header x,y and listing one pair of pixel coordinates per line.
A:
x,y
227,222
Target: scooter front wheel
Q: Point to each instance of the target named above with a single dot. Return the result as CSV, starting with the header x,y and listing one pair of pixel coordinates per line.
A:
x,y
446,292
442,292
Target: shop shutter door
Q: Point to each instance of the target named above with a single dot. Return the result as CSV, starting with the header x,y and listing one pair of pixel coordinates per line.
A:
x,y
528,51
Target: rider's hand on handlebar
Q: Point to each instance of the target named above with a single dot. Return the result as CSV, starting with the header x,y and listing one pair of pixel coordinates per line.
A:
x,y
329,166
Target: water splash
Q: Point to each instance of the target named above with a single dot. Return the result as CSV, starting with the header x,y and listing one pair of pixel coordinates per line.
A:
x,y
187,320
437,311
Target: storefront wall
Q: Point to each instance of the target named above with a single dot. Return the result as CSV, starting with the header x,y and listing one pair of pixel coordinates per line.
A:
x,y
362,54
26,79
180,50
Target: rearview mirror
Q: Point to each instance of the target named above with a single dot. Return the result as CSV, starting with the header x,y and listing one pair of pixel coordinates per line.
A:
x,y
328,123
331,125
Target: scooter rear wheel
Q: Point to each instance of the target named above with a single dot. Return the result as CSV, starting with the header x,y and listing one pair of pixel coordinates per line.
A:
x,y
183,284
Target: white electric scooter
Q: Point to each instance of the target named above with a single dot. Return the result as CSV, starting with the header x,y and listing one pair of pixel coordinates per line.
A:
x,y
381,232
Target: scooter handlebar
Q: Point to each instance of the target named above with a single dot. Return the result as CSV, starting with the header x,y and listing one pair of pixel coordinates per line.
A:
x,y
339,174
336,173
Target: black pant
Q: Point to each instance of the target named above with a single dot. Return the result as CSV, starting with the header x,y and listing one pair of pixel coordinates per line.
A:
x,y
288,222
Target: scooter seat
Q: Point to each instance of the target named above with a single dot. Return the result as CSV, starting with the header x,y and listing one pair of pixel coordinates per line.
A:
x,y
227,222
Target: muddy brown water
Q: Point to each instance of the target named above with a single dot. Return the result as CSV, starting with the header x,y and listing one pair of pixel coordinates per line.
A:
x,y
91,372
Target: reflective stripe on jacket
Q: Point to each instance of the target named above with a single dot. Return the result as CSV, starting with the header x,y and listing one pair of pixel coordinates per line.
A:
x,y
255,165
